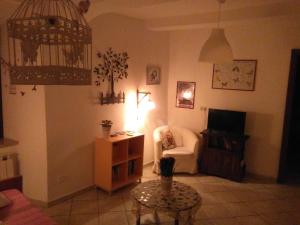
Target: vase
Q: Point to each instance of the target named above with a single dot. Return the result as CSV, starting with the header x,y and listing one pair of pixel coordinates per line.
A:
x,y
106,131
166,184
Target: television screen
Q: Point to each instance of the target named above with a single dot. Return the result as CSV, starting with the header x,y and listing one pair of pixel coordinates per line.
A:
x,y
226,120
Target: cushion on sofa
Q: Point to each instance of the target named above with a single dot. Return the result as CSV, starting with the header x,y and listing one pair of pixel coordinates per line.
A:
x,y
167,140
4,201
177,137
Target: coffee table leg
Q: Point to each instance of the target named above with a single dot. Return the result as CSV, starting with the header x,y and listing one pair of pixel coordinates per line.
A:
x,y
138,220
138,214
176,222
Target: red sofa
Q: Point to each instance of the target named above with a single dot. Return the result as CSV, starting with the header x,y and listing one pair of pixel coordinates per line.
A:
x,y
21,211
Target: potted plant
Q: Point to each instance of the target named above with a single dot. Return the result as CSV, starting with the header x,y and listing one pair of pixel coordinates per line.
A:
x,y
106,127
166,172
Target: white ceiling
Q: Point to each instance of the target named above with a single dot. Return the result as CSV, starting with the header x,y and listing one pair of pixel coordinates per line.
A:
x,y
161,14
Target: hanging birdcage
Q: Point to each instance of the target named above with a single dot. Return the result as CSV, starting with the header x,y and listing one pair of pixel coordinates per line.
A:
x,y
49,43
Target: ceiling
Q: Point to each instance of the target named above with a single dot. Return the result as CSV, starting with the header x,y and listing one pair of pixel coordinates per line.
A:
x,y
171,14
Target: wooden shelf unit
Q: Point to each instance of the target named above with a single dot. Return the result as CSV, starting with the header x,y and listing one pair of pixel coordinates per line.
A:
x,y
118,161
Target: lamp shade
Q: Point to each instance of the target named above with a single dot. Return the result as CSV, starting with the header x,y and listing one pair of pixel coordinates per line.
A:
x,y
216,49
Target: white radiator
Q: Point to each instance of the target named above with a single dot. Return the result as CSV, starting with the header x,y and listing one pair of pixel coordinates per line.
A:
x,y
8,166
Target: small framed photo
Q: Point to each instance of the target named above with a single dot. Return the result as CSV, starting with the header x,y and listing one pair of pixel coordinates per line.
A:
x,y
153,75
238,75
185,96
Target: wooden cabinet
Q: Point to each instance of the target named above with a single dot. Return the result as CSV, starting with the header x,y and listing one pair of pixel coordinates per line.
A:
x,y
118,161
223,154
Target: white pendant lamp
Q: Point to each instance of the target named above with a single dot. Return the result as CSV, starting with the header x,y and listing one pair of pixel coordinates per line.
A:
x,y
216,49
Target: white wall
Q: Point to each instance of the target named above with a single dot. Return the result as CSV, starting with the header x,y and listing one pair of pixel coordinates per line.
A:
x,y
74,114
270,42
25,121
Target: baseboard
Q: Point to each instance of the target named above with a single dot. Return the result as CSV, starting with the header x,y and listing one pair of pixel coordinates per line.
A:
x,y
148,164
38,202
261,177
69,196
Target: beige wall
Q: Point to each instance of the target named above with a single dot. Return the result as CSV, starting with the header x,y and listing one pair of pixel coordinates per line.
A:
x,y
270,42
74,114
24,120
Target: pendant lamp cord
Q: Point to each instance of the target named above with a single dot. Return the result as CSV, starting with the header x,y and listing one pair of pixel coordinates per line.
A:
x,y
219,14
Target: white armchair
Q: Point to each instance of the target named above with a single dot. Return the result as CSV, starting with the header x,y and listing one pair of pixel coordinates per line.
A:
x,y
186,152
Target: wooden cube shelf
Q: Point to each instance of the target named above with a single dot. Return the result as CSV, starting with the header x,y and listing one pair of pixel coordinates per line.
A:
x,y
118,161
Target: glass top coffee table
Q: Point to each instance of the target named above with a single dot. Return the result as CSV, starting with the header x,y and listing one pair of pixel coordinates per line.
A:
x,y
181,203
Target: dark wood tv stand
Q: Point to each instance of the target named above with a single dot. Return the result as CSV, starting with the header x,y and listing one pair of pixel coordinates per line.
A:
x,y
223,154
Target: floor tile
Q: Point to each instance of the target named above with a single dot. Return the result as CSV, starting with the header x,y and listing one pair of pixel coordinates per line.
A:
x,y
251,220
113,218
216,211
87,219
185,179
61,209
61,220
225,197
239,209
246,196
280,219
201,214
209,199
226,221
262,207
88,195
128,203
85,207
111,204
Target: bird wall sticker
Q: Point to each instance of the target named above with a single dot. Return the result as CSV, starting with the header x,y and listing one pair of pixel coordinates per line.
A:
x,y
239,75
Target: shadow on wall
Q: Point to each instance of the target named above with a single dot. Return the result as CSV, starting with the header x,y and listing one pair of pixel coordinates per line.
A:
x,y
259,147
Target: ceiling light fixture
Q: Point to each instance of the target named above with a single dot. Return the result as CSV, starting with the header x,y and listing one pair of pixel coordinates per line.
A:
x,y
49,43
217,49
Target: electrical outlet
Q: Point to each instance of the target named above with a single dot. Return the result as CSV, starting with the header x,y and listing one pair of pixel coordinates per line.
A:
x,y
203,108
61,179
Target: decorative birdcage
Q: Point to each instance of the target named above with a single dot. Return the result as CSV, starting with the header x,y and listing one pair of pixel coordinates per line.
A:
x,y
50,43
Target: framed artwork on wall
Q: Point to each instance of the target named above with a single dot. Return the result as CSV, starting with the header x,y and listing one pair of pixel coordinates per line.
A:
x,y
153,75
238,75
185,95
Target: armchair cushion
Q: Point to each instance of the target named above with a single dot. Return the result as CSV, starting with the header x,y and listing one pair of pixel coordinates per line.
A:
x,y
167,140
4,201
177,136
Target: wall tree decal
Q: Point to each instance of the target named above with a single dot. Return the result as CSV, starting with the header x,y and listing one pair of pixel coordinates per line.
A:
x,y
112,67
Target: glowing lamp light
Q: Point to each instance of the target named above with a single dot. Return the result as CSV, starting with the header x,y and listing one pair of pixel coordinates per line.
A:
x,y
187,95
151,105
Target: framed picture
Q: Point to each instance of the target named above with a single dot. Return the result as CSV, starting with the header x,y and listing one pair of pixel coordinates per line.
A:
x,y
239,75
153,75
185,95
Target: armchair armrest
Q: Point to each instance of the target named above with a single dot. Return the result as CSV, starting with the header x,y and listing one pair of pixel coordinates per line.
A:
x,y
191,141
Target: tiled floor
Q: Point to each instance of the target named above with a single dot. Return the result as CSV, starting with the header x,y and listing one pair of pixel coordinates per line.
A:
x,y
224,202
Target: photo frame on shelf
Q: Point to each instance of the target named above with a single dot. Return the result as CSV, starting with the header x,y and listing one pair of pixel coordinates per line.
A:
x,y
238,75
152,75
185,94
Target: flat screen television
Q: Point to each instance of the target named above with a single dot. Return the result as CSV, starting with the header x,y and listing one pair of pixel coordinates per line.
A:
x,y
226,120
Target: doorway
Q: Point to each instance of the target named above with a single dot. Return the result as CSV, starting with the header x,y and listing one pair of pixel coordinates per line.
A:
x,y
289,167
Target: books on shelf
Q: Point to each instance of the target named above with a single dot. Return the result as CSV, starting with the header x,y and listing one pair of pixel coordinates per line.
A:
x,y
131,167
115,173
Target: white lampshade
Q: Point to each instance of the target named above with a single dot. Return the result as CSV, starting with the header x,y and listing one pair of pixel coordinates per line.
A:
x,y
216,49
